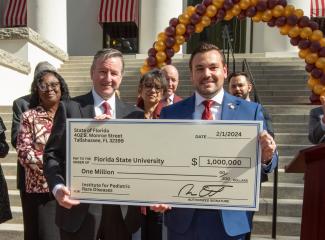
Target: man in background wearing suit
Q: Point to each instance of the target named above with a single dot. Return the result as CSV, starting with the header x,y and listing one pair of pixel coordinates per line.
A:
x,y
172,78
211,102
317,123
80,220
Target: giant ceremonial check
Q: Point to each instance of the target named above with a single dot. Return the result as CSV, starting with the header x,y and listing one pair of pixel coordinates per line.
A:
x,y
190,163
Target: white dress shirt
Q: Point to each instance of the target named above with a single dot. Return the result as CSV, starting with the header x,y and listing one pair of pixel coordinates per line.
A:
x,y
216,107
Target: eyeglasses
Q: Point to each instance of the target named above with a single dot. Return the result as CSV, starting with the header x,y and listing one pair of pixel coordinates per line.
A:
x,y
46,86
152,86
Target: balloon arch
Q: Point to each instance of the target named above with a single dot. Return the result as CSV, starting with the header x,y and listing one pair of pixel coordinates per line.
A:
x,y
302,32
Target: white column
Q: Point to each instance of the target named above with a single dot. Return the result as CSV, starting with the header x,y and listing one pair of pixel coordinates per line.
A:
x,y
154,18
270,41
49,19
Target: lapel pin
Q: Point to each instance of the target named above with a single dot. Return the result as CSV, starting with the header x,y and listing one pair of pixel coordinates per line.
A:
x,y
231,105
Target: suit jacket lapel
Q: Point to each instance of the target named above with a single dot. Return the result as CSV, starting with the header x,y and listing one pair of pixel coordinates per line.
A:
x,y
87,106
189,107
230,106
120,109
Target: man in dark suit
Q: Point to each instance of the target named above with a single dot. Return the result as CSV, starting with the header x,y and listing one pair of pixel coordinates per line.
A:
x,y
90,221
172,78
211,102
317,123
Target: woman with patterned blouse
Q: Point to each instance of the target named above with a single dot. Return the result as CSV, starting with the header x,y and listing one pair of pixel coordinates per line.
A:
x,y
47,89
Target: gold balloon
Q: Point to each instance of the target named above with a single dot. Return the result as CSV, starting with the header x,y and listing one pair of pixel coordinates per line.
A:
x,y
199,27
254,2
235,10
267,15
311,58
294,32
284,30
312,82
320,63
218,3
161,56
257,17
180,29
190,10
160,65
278,11
316,35
176,48
306,32
211,11
144,69
303,53
322,42
180,39
184,18
206,21
244,4
299,13
318,89
162,36
228,16
289,10
160,45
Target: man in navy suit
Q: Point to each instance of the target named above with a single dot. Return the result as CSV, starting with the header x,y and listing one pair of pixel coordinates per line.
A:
x,y
208,72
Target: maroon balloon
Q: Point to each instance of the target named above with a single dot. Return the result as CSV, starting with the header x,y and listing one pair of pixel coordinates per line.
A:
x,y
284,3
228,4
322,79
316,73
303,22
261,5
235,1
170,31
313,25
321,52
173,22
214,19
200,9
152,52
295,41
221,13
190,28
187,36
304,43
314,98
151,61
207,2
280,21
169,52
251,11
170,41
242,15
272,3
195,18
309,67
314,46
292,20
271,23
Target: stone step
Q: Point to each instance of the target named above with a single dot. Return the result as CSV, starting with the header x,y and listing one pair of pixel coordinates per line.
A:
x,y
292,138
290,118
284,177
289,109
290,149
289,127
285,207
285,190
288,226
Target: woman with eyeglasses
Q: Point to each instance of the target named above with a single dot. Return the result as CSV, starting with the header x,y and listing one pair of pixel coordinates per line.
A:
x,y
151,90
47,89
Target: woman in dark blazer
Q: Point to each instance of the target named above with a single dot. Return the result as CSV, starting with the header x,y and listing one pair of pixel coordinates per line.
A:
x,y
5,213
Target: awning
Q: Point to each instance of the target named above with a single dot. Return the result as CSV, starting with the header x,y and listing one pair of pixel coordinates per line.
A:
x,y
119,11
317,8
15,14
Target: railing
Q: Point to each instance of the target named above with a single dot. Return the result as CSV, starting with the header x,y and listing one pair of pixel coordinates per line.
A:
x,y
228,48
246,68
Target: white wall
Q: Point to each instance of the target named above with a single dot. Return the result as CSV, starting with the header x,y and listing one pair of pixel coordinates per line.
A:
x,y
16,83
84,32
